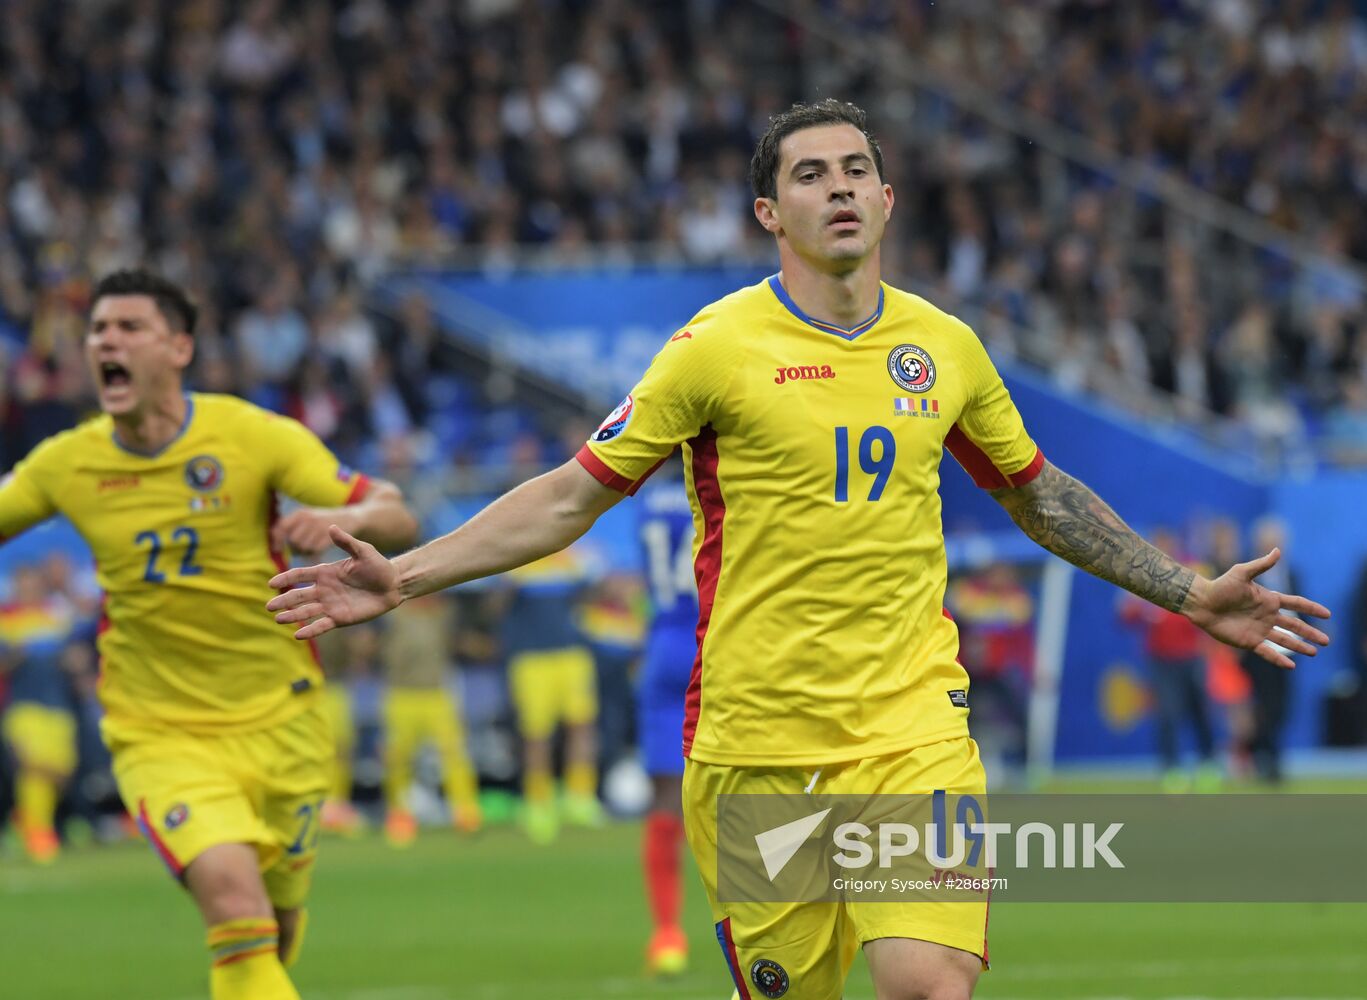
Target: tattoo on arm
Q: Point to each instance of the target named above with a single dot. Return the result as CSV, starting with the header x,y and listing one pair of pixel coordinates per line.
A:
x,y
1075,524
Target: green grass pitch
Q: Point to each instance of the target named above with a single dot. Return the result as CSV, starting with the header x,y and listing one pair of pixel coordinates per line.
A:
x,y
496,919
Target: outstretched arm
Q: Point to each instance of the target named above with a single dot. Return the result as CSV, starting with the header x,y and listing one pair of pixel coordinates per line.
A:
x,y
539,517
1068,519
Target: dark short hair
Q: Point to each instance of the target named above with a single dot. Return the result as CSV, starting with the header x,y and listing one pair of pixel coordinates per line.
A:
x,y
764,164
178,308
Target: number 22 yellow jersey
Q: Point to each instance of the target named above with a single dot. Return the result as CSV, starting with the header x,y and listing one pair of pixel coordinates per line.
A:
x,y
181,543
812,455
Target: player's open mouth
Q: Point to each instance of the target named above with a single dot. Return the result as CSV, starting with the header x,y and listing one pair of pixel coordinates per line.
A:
x,y
113,375
845,216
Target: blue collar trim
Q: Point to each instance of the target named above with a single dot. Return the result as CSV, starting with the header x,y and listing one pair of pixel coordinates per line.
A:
x,y
184,426
824,327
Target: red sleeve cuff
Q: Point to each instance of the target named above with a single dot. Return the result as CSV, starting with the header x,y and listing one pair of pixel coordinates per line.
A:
x,y
1028,474
600,471
985,474
358,490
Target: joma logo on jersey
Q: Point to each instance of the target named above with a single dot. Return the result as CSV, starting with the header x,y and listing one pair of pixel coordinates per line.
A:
x,y
801,372
119,483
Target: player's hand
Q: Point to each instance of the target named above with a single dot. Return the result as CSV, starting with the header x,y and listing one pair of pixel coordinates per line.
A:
x,y
1238,611
356,589
304,531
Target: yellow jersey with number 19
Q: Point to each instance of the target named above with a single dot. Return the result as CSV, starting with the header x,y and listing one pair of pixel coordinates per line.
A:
x,y
181,540
812,455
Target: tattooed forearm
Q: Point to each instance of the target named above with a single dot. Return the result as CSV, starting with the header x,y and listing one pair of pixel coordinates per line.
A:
x,y
1071,521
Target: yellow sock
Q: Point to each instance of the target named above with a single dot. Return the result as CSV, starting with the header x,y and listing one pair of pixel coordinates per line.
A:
x,y
35,797
462,788
398,778
246,961
537,786
301,924
581,779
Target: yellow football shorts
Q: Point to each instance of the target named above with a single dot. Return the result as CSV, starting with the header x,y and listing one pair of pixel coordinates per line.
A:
x,y
264,788
415,716
552,686
42,738
814,944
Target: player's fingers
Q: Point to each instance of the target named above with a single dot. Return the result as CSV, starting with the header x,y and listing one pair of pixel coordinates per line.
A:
x,y
1270,653
1262,564
1283,637
1303,629
315,629
300,614
353,547
295,577
1303,605
290,598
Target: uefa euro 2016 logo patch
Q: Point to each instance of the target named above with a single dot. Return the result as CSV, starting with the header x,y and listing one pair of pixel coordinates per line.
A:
x,y
177,815
204,473
769,978
616,422
911,368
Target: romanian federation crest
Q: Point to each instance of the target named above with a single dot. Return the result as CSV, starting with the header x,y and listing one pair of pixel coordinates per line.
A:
x,y
616,422
204,473
911,368
769,978
177,815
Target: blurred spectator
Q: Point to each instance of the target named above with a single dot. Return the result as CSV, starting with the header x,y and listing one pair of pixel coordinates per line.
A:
x,y
612,619
1177,660
419,709
995,615
272,337
1271,684
552,681
1345,425
1226,680
39,723
343,657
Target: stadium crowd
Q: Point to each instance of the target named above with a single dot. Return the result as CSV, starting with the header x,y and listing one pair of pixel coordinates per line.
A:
x,y
1258,104
279,156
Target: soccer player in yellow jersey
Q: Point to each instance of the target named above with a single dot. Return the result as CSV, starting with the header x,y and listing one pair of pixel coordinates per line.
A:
x,y
824,657
419,708
220,749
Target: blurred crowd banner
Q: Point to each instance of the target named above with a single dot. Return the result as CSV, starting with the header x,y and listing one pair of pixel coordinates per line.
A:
x,y
593,330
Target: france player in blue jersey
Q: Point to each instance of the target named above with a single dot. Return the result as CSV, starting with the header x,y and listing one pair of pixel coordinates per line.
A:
x,y
666,537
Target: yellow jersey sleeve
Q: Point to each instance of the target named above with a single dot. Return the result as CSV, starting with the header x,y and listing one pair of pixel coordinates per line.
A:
x,y
300,466
679,395
26,493
989,439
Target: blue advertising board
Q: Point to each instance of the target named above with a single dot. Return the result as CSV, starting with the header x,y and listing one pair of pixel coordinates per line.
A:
x,y
595,331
